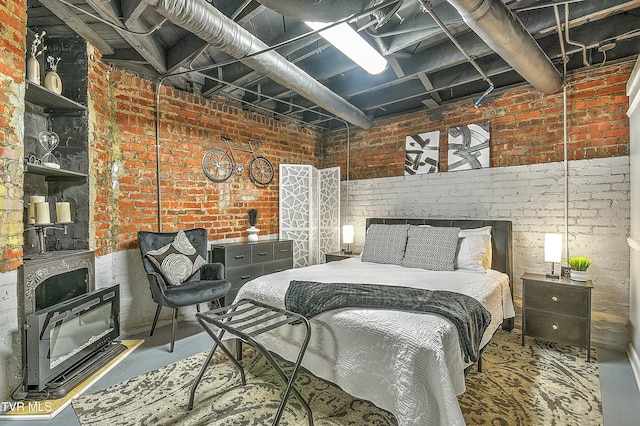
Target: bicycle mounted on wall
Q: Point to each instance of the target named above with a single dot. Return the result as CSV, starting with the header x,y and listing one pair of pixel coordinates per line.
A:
x,y
219,164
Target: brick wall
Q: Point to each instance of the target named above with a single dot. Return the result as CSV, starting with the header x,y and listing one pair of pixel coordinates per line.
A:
x,y
526,127
532,197
12,64
13,19
124,161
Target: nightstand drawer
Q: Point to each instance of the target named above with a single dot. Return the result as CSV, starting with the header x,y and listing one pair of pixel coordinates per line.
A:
x,y
559,299
555,327
238,256
261,253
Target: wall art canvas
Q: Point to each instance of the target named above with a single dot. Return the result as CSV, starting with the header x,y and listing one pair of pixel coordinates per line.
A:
x,y
422,153
469,147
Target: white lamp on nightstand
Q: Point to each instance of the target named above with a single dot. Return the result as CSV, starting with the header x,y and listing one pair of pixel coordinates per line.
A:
x,y
553,251
347,237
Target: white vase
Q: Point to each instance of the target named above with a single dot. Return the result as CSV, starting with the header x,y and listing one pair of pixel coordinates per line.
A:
x,y
33,70
52,82
253,234
579,275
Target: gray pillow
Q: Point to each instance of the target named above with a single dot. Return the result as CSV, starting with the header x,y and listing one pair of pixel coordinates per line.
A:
x,y
177,261
432,248
385,244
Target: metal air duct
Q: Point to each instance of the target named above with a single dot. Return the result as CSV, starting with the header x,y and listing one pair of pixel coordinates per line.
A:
x,y
205,21
505,34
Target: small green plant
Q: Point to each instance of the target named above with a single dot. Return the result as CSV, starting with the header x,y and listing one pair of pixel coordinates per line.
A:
x,y
579,263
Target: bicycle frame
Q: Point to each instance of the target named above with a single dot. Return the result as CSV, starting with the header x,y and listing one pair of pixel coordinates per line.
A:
x,y
231,150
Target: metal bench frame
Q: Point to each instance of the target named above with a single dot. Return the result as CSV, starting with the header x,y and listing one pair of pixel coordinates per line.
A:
x,y
247,319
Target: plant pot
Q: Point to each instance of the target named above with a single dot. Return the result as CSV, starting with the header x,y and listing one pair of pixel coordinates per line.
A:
x,y
579,275
33,70
253,234
52,82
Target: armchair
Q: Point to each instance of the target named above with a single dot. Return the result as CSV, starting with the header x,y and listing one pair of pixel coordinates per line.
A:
x,y
178,273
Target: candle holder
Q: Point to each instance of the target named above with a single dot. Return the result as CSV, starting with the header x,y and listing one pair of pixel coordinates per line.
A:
x,y
41,231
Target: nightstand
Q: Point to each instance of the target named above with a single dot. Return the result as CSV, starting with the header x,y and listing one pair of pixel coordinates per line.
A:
x,y
338,255
557,310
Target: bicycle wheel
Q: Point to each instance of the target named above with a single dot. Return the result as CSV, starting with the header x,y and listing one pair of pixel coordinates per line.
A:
x,y
217,165
261,170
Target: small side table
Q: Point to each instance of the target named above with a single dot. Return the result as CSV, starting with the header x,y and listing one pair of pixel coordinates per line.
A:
x,y
557,310
339,255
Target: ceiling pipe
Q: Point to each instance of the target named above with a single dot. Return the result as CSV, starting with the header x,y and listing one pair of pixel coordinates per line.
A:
x,y
208,23
506,35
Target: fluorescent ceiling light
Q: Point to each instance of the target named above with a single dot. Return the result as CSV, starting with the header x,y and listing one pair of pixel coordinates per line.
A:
x,y
348,41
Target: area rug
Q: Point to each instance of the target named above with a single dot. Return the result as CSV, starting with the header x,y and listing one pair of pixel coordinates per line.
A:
x,y
539,384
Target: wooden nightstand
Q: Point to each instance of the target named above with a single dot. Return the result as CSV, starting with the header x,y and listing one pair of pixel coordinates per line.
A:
x,y
557,310
338,255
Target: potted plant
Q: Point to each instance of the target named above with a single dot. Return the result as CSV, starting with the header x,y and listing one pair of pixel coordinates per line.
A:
x,y
253,231
579,266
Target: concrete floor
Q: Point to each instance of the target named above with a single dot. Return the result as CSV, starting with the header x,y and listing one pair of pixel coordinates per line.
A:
x,y
620,395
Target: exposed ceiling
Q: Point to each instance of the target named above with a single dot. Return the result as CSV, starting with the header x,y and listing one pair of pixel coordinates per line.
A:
x,y
261,54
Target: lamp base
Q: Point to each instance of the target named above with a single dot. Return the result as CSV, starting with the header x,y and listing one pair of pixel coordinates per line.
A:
x,y
554,276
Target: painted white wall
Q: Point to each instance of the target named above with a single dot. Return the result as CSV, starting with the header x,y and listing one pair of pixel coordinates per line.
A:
x,y
633,91
532,197
9,335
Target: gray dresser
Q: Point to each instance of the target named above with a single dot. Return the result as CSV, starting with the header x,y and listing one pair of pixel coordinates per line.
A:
x,y
557,310
246,261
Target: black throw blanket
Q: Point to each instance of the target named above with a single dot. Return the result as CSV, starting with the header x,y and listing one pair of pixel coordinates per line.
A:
x,y
471,319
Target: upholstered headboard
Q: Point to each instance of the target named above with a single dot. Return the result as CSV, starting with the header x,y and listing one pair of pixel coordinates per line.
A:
x,y
502,259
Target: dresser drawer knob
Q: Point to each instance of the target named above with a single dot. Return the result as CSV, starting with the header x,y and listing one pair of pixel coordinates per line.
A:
x,y
554,298
554,326
283,250
263,253
239,256
245,277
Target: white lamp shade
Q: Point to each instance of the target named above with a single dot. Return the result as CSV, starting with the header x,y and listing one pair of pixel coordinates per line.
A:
x,y
553,247
347,234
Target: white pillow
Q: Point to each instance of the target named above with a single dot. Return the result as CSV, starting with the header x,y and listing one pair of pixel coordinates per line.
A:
x,y
471,252
488,253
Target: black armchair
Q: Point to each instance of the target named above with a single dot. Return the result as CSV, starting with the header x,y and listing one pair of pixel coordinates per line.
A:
x,y
167,261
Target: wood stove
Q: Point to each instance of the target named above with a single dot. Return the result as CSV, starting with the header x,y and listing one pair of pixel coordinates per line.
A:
x,y
70,329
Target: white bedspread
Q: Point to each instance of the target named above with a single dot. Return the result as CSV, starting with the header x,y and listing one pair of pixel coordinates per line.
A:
x,y
408,363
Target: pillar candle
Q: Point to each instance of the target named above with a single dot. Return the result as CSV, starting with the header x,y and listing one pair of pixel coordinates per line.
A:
x,y
31,213
42,213
63,212
36,199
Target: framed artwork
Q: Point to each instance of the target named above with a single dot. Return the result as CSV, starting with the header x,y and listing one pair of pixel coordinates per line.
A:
x,y
469,147
422,153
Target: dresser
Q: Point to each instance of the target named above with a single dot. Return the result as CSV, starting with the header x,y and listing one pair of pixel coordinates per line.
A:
x,y
246,261
557,310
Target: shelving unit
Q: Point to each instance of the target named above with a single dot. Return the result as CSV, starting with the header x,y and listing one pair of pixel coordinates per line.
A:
x,y
67,116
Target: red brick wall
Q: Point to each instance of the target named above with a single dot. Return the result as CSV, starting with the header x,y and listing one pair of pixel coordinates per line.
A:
x,y
526,127
13,31
123,131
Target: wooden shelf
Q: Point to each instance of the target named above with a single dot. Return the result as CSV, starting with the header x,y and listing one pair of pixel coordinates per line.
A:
x,y
40,95
36,169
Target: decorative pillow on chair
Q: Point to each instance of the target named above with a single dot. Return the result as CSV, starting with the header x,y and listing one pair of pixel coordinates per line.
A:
x,y
432,248
177,261
385,244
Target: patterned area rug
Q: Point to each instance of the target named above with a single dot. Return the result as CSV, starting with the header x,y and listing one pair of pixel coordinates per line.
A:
x,y
539,384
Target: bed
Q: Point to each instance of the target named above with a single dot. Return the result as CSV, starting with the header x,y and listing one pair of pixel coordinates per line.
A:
x,y
408,363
